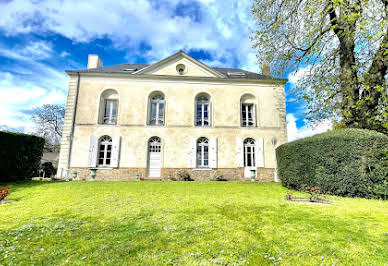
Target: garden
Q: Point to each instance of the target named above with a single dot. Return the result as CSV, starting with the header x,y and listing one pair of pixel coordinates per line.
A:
x,y
208,223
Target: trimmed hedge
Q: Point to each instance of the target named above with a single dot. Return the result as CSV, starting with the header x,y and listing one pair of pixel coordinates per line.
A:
x,y
20,156
347,162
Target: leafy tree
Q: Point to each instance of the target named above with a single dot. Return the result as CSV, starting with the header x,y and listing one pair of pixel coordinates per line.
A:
x,y
48,120
342,48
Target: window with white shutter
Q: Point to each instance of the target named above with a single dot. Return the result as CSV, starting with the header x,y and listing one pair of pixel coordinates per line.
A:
x,y
202,153
104,151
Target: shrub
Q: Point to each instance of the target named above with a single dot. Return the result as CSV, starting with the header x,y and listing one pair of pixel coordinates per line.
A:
x,y
218,177
184,176
347,162
48,169
4,191
20,156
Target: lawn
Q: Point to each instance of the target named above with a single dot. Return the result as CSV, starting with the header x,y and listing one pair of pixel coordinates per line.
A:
x,y
186,223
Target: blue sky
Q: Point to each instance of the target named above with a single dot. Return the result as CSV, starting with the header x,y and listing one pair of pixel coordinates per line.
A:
x,y
40,39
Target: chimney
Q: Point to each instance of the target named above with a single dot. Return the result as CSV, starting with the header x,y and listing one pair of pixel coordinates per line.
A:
x,y
266,70
94,61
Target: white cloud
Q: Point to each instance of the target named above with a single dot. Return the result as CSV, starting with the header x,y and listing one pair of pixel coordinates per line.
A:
x,y
308,130
223,30
297,75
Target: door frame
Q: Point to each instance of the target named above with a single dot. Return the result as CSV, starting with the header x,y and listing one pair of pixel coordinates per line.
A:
x,y
148,157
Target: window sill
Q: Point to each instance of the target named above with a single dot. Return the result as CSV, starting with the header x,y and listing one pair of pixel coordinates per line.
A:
x,y
202,169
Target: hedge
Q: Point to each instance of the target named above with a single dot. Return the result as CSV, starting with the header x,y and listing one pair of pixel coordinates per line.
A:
x,y
347,162
20,156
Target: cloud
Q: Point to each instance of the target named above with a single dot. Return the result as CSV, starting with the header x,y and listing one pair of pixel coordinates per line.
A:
x,y
222,28
294,133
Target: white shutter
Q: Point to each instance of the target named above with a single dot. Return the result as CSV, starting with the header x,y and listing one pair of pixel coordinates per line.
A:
x,y
259,152
213,152
193,152
240,152
115,151
93,150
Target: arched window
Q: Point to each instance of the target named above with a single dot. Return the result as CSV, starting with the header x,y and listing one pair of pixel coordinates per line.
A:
x,y
156,109
249,152
202,153
202,107
109,101
154,144
104,151
248,110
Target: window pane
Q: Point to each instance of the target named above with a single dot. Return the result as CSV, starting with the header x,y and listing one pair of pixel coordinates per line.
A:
x,y
107,108
114,108
161,114
199,155
205,162
161,110
107,161
153,114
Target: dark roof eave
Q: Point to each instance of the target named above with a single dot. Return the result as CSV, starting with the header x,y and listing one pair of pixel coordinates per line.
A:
x,y
237,80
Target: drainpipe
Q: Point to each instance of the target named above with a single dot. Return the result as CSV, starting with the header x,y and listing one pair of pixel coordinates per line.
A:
x,y
70,137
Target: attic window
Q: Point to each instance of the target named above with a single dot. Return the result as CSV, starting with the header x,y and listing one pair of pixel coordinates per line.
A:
x,y
130,69
181,69
236,74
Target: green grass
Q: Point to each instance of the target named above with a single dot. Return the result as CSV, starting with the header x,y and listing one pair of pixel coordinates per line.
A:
x,y
186,223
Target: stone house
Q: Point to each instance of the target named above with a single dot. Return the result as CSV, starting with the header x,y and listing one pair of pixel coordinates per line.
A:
x,y
178,114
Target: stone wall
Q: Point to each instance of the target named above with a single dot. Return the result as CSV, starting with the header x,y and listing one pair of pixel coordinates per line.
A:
x,y
126,174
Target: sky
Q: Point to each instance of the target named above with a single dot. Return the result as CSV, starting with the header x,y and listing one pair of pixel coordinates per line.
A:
x,y
41,39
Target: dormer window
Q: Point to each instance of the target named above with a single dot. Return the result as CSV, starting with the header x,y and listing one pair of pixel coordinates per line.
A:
x,y
181,69
236,74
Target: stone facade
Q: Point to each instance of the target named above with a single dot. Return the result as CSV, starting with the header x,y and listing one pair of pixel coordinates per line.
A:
x,y
132,131
128,174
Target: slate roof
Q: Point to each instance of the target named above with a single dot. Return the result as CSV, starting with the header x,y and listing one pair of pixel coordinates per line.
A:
x,y
131,68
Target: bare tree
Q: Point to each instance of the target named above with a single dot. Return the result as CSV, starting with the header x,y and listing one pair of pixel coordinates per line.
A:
x,y
48,121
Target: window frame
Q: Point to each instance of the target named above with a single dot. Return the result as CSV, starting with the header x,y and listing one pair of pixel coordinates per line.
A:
x,y
157,103
200,102
106,94
251,144
110,117
248,106
201,144
105,143
249,109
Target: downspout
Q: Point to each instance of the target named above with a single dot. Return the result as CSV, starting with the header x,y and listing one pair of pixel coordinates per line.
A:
x,y
70,137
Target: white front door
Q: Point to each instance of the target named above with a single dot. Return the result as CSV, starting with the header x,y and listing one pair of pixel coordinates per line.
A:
x,y
154,157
